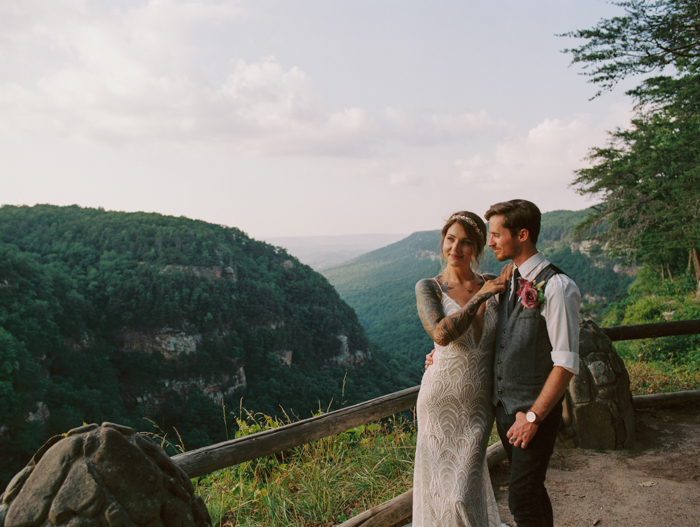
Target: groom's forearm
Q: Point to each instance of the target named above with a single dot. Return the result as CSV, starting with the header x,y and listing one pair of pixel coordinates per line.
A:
x,y
522,431
552,391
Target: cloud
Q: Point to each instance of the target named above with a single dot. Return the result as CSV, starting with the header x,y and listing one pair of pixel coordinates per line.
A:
x,y
405,178
545,158
129,75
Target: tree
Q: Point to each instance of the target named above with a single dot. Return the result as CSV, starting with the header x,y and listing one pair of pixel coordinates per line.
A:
x,y
653,35
648,175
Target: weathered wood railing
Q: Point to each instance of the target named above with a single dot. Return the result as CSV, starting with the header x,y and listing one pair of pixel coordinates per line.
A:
x,y
658,329
208,459
215,457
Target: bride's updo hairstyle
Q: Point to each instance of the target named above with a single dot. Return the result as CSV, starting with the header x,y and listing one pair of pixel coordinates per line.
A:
x,y
473,226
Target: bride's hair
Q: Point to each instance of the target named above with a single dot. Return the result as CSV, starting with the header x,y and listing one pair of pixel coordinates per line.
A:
x,y
475,228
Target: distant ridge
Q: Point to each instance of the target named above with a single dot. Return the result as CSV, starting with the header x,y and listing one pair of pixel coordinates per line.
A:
x,y
379,285
320,252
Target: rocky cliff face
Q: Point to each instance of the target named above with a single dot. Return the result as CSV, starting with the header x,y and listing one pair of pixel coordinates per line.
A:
x,y
427,255
171,346
600,257
167,341
212,273
215,388
347,358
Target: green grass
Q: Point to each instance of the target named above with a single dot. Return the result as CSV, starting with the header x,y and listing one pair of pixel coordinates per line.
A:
x,y
662,377
318,484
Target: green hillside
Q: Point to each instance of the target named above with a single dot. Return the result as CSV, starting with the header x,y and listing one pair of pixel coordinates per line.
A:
x,y
120,316
380,285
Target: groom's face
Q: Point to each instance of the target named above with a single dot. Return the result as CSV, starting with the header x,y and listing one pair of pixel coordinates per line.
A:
x,y
504,246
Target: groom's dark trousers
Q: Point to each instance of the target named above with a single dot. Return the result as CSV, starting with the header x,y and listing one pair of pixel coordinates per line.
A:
x,y
527,496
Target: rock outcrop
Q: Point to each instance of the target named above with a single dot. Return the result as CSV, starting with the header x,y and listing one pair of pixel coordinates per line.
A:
x,y
169,342
348,358
598,409
102,476
212,273
427,255
285,357
216,388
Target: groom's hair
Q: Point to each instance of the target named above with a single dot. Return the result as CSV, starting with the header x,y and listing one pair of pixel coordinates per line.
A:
x,y
519,214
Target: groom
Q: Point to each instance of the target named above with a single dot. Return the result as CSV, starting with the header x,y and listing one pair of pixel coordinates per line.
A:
x,y
536,356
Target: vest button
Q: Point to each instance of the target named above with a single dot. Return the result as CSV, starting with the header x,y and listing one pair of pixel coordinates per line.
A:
x,y
504,331
503,346
499,361
498,378
500,392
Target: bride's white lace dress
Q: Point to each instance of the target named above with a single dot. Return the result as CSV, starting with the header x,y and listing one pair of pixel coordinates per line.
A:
x,y
451,483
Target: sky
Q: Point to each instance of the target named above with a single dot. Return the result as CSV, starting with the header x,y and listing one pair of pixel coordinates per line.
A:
x,y
298,118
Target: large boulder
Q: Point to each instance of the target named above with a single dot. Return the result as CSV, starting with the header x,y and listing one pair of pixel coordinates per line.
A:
x,y
102,476
598,409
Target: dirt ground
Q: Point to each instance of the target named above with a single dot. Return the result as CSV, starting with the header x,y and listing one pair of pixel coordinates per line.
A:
x,y
654,484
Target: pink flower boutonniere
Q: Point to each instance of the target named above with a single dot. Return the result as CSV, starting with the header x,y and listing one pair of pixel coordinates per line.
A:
x,y
531,294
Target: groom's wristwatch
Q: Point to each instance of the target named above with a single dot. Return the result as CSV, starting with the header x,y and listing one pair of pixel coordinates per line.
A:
x,y
532,417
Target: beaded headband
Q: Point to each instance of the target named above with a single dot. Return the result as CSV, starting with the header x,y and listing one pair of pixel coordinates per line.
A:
x,y
469,221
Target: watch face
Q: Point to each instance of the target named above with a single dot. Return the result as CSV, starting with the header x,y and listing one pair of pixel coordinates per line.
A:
x,y
531,417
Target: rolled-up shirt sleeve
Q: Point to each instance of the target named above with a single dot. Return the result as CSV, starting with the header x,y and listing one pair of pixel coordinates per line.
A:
x,y
561,312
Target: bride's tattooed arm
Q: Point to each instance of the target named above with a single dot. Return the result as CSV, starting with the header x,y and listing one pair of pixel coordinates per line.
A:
x,y
444,329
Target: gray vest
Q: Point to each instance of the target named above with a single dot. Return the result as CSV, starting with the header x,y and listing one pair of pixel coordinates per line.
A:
x,y
523,360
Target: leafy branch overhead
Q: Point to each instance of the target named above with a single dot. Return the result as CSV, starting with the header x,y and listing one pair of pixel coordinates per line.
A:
x,y
651,36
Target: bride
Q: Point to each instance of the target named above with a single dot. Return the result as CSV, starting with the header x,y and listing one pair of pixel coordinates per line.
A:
x,y
451,486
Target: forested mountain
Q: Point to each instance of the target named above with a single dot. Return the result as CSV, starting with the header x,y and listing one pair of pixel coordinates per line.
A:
x,y
380,285
120,316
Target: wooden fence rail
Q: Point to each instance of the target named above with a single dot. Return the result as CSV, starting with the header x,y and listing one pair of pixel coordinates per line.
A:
x,y
662,399
215,457
658,329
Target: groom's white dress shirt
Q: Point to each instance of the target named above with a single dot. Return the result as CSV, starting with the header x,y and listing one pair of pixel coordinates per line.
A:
x,y
560,311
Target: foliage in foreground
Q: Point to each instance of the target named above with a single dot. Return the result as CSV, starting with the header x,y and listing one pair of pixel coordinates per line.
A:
x,y
667,364
652,300
320,483
659,377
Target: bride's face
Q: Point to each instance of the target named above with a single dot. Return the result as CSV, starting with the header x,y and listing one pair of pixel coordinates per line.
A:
x,y
457,247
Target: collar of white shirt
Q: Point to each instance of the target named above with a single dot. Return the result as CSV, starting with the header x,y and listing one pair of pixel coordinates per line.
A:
x,y
530,265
